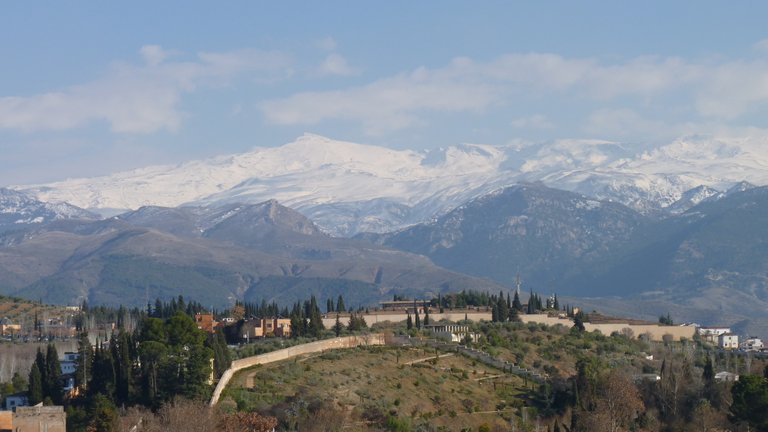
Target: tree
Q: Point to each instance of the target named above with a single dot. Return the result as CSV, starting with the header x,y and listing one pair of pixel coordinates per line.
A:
x,y
52,384
578,322
409,322
84,362
516,305
418,320
750,401
35,389
103,415
338,327
426,316
340,304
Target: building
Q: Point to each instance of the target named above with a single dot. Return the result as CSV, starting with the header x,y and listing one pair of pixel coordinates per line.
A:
x,y
8,328
711,334
205,322
266,327
40,419
408,306
452,332
751,344
726,377
728,341
15,400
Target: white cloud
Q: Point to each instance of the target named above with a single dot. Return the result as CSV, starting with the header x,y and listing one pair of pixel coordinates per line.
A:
x,y
536,121
384,105
135,99
335,64
711,90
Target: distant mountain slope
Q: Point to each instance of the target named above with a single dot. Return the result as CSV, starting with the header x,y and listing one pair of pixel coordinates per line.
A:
x,y
538,232
216,256
348,188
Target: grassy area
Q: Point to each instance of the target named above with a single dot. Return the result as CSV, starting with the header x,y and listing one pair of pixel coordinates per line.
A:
x,y
379,386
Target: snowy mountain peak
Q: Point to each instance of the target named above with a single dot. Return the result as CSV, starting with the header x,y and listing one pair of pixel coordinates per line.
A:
x,y
347,188
17,208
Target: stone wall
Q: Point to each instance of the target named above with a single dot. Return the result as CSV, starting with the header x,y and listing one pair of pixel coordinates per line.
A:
x,y
287,353
372,318
655,331
39,419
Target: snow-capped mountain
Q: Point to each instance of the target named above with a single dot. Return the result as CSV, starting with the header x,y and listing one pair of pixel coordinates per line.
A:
x,y
348,188
18,209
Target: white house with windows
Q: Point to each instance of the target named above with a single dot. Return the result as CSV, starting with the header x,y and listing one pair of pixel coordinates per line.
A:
x,y
728,341
751,344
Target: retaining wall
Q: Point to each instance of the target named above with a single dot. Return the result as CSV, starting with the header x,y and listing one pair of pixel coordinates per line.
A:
x,y
287,353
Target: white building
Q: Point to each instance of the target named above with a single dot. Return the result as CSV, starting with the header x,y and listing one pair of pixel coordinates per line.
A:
x,y
712,334
728,341
751,344
726,376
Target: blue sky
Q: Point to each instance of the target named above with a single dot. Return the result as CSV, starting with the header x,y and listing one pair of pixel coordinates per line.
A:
x,y
89,88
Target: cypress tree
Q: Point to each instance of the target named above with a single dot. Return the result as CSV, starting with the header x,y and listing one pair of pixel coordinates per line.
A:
x,y
516,303
52,386
337,327
426,316
418,320
340,304
35,388
409,322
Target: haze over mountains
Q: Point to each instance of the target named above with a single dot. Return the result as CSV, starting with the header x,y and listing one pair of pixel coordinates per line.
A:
x,y
348,188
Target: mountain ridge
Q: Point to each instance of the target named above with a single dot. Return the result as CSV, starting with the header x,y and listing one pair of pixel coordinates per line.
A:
x,y
348,188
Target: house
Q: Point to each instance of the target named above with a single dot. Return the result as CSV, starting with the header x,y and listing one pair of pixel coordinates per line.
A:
x,y
8,328
266,327
728,341
452,332
751,344
205,322
15,400
711,334
726,377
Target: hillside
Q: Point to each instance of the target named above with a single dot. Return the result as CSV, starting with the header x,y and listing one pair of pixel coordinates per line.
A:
x,y
215,256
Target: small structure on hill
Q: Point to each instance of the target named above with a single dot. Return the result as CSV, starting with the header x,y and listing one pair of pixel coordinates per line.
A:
x,y
452,332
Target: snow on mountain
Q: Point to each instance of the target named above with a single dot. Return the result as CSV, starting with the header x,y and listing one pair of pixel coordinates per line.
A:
x,y
348,188
17,208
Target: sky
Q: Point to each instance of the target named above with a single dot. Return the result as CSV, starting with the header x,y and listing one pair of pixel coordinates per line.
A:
x,y
92,88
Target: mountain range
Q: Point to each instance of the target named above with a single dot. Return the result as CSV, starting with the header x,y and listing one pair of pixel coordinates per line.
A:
x,y
216,256
348,188
678,229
